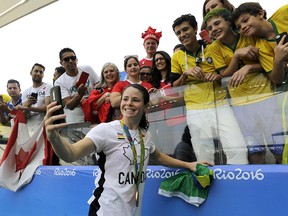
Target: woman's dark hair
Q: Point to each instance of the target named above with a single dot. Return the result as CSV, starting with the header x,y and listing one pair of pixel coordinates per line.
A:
x,y
127,59
226,4
144,124
156,74
220,12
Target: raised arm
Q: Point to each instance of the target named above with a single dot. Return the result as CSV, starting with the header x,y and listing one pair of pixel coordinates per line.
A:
x,y
72,102
115,99
66,151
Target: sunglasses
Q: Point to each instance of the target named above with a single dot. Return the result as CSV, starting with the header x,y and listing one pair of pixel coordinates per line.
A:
x,y
159,59
67,59
145,74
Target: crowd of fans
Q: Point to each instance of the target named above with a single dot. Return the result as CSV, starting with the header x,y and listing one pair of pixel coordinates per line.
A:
x,y
232,89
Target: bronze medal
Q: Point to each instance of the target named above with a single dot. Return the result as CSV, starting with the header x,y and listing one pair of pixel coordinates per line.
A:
x,y
137,197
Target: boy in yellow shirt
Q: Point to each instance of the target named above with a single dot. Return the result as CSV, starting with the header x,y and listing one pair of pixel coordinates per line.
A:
x,y
235,55
250,20
208,112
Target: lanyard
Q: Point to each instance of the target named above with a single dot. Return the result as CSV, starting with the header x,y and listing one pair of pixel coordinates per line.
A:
x,y
142,155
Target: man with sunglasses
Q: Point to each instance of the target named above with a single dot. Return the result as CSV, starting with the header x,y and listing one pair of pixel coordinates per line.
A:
x,y
145,74
72,92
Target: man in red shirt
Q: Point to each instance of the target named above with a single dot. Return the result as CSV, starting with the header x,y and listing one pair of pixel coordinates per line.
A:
x,y
151,42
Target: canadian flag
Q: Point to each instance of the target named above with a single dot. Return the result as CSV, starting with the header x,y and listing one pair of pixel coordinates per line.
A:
x,y
23,154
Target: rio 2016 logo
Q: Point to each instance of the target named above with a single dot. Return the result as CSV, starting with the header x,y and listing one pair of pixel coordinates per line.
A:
x,y
64,172
163,173
238,174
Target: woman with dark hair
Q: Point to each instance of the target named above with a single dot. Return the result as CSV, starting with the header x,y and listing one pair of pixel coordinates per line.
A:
x,y
161,69
122,148
162,91
213,4
132,67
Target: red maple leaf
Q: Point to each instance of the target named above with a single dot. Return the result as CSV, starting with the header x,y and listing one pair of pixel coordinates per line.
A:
x,y
23,157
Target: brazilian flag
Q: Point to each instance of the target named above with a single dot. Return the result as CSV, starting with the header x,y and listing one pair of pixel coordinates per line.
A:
x,y
192,187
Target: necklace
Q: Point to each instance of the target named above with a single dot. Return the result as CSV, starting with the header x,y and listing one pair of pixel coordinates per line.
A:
x,y
138,170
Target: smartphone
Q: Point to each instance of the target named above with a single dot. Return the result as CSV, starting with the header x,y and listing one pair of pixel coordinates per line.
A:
x,y
83,79
205,36
279,37
35,95
55,94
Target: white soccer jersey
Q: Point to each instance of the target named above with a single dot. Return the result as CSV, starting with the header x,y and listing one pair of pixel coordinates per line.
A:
x,y
36,118
115,185
68,89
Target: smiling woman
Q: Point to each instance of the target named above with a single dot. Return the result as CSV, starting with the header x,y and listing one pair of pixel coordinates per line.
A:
x,y
122,148
39,36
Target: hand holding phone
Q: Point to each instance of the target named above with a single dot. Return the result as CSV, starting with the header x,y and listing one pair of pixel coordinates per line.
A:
x,y
279,37
35,95
205,36
55,93
83,79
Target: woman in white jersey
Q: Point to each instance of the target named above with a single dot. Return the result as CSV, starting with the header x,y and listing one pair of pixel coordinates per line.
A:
x,y
122,148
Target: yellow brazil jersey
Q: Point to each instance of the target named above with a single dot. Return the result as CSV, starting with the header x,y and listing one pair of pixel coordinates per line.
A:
x,y
279,21
198,94
255,87
6,99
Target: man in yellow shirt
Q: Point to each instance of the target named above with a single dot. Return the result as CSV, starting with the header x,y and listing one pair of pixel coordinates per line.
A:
x,y
207,110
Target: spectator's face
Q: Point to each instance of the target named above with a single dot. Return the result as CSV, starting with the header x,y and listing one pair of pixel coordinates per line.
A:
x,y
69,61
150,45
55,75
110,75
13,89
145,75
37,74
132,68
213,4
249,25
160,62
218,28
186,34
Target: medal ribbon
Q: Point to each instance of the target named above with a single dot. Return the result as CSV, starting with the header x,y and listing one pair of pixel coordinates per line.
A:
x,y
142,155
